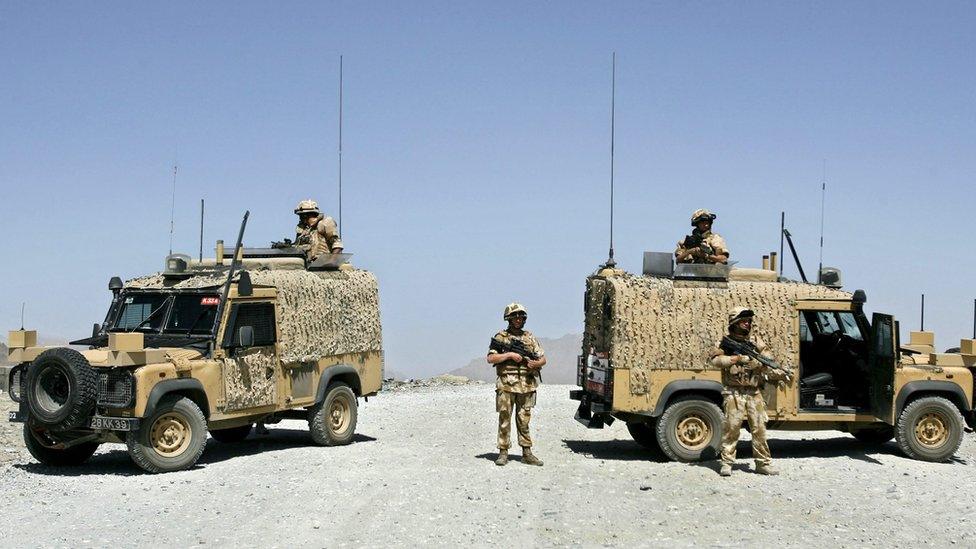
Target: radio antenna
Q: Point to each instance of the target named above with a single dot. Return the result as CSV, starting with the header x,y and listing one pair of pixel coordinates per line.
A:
x,y
201,230
24,304
922,328
782,229
974,319
823,196
172,206
613,95
340,146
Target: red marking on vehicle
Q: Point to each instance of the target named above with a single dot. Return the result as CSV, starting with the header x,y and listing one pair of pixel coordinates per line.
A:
x,y
210,301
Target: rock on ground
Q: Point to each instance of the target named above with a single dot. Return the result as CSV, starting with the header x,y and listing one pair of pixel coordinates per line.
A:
x,y
421,471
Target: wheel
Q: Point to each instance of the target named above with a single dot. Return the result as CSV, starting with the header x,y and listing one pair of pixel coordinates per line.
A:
x,y
61,388
73,455
232,435
874,435
332,422
929,429
644,434
171,439
690,429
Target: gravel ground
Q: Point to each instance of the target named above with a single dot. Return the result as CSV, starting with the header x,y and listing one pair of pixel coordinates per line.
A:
x,y
421,472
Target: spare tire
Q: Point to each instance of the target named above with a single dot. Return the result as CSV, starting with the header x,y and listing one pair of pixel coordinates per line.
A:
x,y
61,389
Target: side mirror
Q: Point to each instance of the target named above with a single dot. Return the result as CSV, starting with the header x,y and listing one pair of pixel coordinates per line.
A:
x,y
95,329
245,336
244,286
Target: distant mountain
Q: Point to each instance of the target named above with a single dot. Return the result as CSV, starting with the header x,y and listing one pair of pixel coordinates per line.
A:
x,y
560,365
3,353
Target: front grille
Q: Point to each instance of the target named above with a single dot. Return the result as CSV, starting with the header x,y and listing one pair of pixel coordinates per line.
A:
x,y
115,388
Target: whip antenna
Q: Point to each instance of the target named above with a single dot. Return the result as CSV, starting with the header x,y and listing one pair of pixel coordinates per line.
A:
x,y
172,205
922,328
823,195
782,229
22,305
201,230
613,95
339,227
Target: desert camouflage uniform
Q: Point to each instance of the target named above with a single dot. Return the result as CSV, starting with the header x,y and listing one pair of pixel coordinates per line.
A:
x,y
743,400
320,239
713,239
516,386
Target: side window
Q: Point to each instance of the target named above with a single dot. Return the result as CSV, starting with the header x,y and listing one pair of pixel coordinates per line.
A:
x,y
850,326
805,334
828,322
259,316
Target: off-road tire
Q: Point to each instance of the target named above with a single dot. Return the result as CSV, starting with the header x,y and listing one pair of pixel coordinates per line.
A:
x,y
171,439
232,435
71,456
700,421
645,434
61,389
929,429
874,435
332,422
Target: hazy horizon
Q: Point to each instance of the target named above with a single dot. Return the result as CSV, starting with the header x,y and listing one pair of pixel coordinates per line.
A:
x,y
476,149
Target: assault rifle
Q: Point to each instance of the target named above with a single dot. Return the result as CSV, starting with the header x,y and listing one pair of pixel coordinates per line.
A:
x,y
279,244
517,346
695,240
731,346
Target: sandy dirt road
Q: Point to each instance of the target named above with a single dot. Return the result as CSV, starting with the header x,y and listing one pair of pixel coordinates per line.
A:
x,y
421,472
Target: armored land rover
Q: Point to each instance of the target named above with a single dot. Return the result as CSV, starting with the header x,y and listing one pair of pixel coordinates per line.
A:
x,y
205,346
647,343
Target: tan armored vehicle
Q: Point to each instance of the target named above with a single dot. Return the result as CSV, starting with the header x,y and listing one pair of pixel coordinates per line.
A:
x,y
647,342
209,346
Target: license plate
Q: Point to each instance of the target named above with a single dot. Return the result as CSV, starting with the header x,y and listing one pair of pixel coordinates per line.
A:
x,y
114,423
13,416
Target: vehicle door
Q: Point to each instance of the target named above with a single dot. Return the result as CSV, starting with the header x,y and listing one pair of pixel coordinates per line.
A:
x,y
881,360
251,365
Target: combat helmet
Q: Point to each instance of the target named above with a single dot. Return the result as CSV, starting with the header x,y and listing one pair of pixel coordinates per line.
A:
x,y
738,313
307,206
701,215
513,308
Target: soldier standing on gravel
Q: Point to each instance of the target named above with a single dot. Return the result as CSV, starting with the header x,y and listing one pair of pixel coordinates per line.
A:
x,y
317,234
702,245
742,379
518,380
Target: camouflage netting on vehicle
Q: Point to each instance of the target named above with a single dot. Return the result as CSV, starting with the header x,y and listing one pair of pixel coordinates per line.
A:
x,y
325,313
659,323
251,382
321,313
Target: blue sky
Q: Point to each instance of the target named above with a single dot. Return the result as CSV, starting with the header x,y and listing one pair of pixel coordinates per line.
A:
x,y
476,141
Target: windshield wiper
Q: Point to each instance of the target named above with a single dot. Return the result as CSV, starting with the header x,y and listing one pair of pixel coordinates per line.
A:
x,y
151,315
196,321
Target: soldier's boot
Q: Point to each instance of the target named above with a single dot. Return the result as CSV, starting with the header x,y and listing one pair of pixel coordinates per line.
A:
x,y
502,457
529,458
766,470
726,470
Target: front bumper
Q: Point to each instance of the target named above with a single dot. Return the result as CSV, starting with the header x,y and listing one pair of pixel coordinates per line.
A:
x,y
593,415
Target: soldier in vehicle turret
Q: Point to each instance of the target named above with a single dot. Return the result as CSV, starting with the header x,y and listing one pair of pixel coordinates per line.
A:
x,y
702,245
316,233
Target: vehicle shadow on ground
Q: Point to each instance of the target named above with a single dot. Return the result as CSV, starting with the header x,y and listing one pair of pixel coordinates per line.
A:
x,y
627,450
116,461
619,450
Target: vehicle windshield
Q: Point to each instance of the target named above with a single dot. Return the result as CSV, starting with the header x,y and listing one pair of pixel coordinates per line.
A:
x,y
192,314
188,314
143,312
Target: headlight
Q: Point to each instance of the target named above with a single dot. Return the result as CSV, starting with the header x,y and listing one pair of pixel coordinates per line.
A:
x,y
115,388
15,382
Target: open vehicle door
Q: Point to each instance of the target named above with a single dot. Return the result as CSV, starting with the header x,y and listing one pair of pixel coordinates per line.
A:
x,y
881,359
